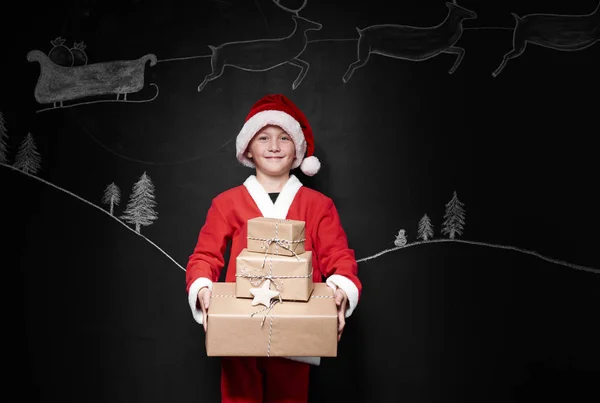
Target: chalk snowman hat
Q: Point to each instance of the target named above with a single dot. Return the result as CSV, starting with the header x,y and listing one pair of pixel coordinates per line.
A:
x,y
278,110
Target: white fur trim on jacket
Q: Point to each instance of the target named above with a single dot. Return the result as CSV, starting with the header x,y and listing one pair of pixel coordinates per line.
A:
x,y
307,360
193,297
336,280
280,208
270,117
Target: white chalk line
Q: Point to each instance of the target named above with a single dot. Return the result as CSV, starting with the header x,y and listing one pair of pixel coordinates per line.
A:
x,y
174,59
498,246
99,101
163,163
95,206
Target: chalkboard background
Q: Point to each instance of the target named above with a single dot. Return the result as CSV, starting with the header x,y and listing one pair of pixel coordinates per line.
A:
x,y
503,309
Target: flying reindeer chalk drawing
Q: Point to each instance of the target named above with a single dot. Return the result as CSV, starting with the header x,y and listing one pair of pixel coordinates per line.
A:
x,y
413,43
265,54
57,84
555,31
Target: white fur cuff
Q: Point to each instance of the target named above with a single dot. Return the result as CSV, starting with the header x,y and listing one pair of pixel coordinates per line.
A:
x,y
308,360
337,280
193,297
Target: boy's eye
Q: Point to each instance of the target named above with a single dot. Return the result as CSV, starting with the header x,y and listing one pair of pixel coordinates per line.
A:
x,y
262,137
285,138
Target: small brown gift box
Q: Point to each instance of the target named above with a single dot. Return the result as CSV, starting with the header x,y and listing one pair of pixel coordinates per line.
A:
x,y
290,275
276,236
288,329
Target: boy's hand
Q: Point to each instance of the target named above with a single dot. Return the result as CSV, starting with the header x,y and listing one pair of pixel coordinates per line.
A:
x,y
204,300
341,300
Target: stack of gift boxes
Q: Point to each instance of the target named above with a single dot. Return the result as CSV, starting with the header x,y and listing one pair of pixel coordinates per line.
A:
x,y
274,309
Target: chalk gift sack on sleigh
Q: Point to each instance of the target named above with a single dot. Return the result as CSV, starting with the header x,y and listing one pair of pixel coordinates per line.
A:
x,y
276,236
292,276
285,329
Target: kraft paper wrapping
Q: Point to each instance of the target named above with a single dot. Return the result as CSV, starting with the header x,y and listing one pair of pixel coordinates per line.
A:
x,y
288,329
291,276
276,236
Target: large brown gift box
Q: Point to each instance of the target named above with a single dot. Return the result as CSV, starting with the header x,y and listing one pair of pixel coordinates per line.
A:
x,y
288,329
290,275
276,236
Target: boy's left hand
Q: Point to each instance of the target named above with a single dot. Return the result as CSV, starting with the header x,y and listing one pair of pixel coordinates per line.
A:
x,y
341,300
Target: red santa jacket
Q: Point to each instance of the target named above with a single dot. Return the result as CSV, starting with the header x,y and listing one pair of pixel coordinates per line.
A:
x,y
226,220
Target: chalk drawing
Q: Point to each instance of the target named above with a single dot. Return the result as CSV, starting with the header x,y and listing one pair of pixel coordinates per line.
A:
x,y
57,84
425,229
89,203
294,11
3,137
453,225
533,253
112,196
454,217
60,53
140,208
400,238
491,245
200,156
28,159
264,54
555,31
413,43
79,55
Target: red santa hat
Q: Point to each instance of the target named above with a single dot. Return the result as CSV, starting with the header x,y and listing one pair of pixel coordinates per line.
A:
x,y
278,110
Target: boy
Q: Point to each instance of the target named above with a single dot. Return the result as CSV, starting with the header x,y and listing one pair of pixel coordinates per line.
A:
x,y
275,138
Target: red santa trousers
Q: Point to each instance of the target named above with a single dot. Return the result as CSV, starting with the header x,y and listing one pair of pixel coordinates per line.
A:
x,y
263,380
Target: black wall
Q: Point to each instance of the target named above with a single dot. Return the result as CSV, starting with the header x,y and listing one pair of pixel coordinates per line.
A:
x,y
506,311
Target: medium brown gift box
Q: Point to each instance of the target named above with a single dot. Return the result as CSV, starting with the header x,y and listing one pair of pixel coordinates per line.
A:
x,y
276,236
289,329
290,275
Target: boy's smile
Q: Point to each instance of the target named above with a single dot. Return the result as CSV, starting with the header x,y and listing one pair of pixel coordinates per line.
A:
x,y
272,150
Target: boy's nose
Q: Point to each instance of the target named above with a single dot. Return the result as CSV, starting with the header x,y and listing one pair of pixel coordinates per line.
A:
x,y
274,145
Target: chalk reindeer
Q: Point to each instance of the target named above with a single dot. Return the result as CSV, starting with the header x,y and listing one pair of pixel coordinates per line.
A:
x,y
413,43
554,31
265,54
57,84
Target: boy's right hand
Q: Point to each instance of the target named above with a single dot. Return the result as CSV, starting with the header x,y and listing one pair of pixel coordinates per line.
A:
x,y
204,300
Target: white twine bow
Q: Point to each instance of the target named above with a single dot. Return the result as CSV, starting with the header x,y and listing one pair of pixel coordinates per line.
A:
x,y
284,243
257,277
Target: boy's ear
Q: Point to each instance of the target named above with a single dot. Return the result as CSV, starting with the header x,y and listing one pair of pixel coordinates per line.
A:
x,y
249,154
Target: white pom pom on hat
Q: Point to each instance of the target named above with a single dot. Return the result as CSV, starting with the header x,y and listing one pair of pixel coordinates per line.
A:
x,y
277,109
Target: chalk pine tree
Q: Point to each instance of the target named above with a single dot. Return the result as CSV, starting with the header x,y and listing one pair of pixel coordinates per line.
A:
x,y
112,196
140,208
454,218
425,230
3,146
28,159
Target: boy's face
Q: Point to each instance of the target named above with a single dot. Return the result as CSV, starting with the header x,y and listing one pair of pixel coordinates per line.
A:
x,y
272,151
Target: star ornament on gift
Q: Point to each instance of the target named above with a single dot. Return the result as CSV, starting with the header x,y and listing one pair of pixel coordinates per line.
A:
x,y
263,294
